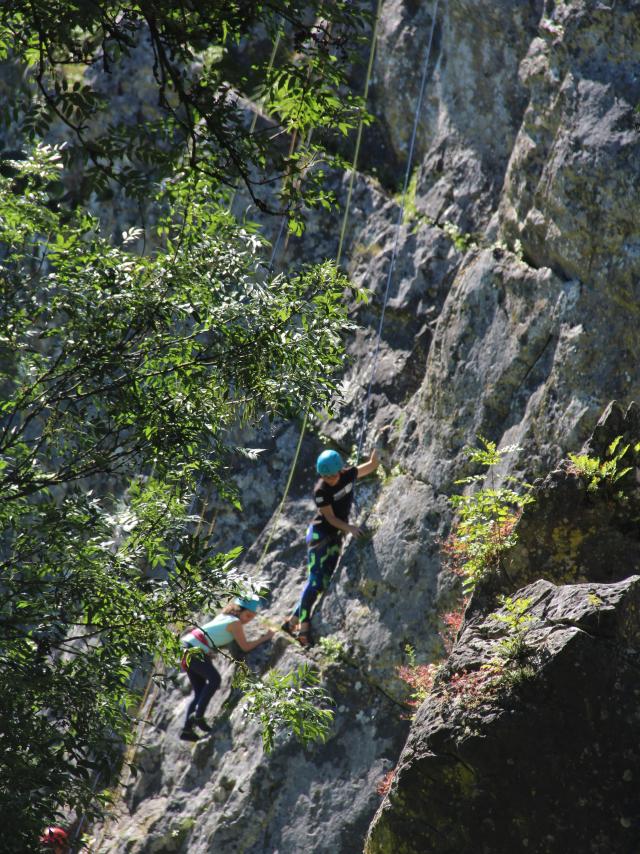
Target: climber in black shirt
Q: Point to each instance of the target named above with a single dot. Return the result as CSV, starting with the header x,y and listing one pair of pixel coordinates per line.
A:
x,y
333,495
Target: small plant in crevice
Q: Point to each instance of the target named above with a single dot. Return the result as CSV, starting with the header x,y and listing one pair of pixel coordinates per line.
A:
x,y
513,649
595,600
419,678
332,648
385,783
411,212
451,623
605,472
471,688
487,518
513,652
461,240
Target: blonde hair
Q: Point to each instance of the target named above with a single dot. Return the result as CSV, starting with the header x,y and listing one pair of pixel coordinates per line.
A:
x,y
234,609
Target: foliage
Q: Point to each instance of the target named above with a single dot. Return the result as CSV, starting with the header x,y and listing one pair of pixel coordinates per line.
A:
x,y
419,677
595,600
204,61
384,785
512,649
486,518
603,472
460,239
124,374
332,648
471,688
293,702
410,212
451,624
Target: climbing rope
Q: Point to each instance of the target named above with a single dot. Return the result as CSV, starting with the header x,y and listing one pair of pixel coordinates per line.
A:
x,y
278,512
407,177
356,153
394,254
343,230
345,219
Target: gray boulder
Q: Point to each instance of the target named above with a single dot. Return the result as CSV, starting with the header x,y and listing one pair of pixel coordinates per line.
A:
x,y
546,758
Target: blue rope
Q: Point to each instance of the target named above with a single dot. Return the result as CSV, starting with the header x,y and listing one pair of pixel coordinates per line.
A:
x,y
394,255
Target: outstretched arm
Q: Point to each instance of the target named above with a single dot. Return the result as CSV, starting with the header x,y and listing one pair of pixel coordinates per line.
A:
x,y
237,630
370,466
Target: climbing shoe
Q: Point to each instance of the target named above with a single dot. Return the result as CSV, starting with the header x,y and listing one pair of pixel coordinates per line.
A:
x,y
188,734
201,724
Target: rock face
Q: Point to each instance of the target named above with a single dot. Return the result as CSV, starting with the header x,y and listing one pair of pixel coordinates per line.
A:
x,y
550,765
574,533
513,314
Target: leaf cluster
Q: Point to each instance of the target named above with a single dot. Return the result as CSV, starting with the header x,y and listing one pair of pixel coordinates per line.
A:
x,y
332,648
485,529
293,702
108,356
83,61
603,472
419,677
514,617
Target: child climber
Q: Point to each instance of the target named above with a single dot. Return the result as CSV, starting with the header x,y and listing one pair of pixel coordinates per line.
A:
x,y
200,644
333,495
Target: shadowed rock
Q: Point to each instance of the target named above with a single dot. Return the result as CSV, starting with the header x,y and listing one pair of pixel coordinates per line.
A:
x,y
545,762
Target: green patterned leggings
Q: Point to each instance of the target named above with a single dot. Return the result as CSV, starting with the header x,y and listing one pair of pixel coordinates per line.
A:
x,y
322,557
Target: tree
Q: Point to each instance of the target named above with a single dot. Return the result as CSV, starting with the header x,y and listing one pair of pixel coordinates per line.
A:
x,y
207,60
123,373
115,364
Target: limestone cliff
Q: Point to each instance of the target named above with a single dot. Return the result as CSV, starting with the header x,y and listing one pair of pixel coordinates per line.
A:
x,y
513,314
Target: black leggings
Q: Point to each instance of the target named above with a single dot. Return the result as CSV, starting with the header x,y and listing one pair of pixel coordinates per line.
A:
x,y
205,681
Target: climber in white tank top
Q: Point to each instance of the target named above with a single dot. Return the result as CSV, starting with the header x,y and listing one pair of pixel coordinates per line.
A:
x,y
200,643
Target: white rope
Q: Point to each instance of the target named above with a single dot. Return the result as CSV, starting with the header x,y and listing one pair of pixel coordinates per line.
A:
x,y
394,255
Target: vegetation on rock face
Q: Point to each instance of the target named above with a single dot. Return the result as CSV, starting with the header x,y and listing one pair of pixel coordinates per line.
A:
x,y
419,678
604,472
113,365
485,530
294,702
486,518
122,374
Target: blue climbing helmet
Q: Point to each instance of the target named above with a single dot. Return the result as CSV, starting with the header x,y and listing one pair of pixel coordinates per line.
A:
x,y
329,463
249,603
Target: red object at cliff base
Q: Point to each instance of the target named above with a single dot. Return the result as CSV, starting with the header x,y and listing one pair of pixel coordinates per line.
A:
x,y
56,839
